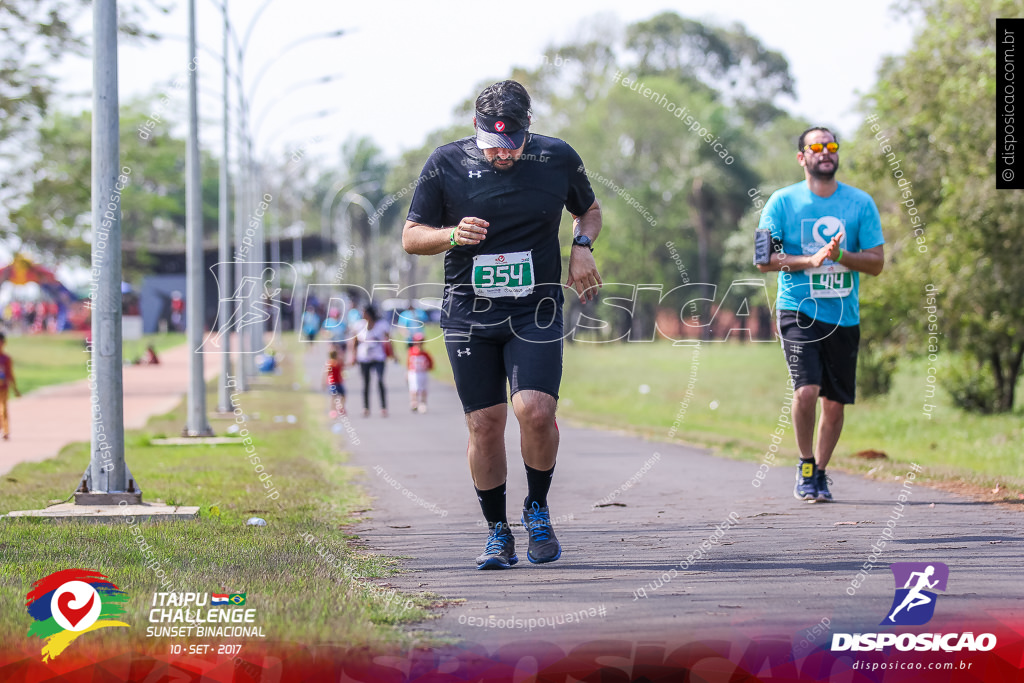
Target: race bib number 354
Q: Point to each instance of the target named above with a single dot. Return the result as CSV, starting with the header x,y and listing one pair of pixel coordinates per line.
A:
x,y
501,275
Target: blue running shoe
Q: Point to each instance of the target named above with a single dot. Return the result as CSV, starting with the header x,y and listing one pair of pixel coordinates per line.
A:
x,y
822,481
806,481
500,552
543,544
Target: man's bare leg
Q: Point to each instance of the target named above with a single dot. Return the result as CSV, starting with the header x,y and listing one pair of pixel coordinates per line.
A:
x,y
486,451
535,411
805,400
830,426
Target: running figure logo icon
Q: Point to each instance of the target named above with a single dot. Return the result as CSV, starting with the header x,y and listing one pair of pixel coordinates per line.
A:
x,y
914,603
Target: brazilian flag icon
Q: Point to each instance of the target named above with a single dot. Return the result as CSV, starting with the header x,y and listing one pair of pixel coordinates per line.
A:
x,y
237,598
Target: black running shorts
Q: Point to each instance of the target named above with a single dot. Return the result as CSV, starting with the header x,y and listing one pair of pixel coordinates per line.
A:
x,y
525,355
821,354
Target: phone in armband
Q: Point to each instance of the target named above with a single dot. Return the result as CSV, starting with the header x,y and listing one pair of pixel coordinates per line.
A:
x,y
762,247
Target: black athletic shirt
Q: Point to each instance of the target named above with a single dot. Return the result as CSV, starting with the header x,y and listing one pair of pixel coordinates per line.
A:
x,y
523,206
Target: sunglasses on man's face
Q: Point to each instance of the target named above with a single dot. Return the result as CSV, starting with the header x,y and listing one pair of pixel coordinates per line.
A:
x,y
818,147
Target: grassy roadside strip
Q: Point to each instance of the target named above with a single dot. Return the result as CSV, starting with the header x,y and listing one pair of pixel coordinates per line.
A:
x,y
301,595
738,397
44,359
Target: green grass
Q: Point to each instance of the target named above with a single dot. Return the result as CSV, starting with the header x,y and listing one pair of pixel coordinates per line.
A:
x,y
601,386
300,596
44,359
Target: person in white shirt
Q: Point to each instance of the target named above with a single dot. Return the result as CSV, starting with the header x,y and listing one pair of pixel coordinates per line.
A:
x,y
370,348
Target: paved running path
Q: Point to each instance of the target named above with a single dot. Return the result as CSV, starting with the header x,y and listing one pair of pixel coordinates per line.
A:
x,y
46,420
783,568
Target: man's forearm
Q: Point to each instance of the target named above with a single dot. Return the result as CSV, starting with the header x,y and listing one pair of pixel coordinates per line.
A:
x,y
589,223
869,261
787,262
423,240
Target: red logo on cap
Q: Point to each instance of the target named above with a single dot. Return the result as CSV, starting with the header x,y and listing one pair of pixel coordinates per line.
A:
x,y
499,126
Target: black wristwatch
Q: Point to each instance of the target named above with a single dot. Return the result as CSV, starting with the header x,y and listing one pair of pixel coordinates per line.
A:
x,y
583,241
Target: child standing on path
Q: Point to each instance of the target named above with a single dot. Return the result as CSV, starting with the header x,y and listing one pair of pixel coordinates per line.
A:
x,y
336,383
6,381
419,364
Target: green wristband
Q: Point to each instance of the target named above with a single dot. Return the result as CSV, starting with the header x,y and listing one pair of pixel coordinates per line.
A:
x,y
840,256
451,238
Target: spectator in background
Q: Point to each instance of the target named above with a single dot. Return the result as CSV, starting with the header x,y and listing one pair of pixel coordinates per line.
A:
x,y
336,329
409,321
369,347
310,324
177,312
336,383
6,382
150,358
419,364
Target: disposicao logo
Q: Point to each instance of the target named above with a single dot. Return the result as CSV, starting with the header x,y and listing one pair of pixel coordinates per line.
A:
x,y
915,578
71,602
914,605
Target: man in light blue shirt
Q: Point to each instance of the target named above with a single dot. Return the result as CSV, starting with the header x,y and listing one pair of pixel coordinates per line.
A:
x,y
824,234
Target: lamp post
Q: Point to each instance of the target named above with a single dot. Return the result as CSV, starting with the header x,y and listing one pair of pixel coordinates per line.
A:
x,y
196,422
253,340
224,236
296,231
107,480
374,214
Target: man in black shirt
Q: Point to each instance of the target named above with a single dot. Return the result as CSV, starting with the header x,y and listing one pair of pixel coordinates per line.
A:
x,y
493,203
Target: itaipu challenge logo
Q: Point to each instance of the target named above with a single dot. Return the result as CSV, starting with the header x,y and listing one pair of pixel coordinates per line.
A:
x,y
70,603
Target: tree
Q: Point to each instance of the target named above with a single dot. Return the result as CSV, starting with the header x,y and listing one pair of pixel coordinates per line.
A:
x,y
34,34
726,60
55,217
659,143
656,154
946,224
400,186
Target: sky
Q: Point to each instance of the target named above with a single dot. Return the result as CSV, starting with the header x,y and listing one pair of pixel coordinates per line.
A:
x,y
402,67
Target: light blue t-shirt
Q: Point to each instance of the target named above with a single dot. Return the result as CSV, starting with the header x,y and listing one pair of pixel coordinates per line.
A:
x,y
805,223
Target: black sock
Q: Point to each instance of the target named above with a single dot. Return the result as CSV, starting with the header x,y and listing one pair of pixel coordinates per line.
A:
x,y
538,482
492,503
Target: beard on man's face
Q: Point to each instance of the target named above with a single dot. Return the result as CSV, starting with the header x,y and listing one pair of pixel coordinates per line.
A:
x,y
500,164
823,169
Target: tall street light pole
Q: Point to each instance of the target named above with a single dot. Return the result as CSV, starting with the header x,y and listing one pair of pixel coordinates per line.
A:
x,y
107,480
224,238
196,422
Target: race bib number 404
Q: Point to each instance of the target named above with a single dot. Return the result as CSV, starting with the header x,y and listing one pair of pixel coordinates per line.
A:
x,y
830,281
500,275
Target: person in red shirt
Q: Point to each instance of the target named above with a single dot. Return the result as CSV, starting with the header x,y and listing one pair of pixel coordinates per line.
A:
x,y
336,383
6,382
419,364
150,358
